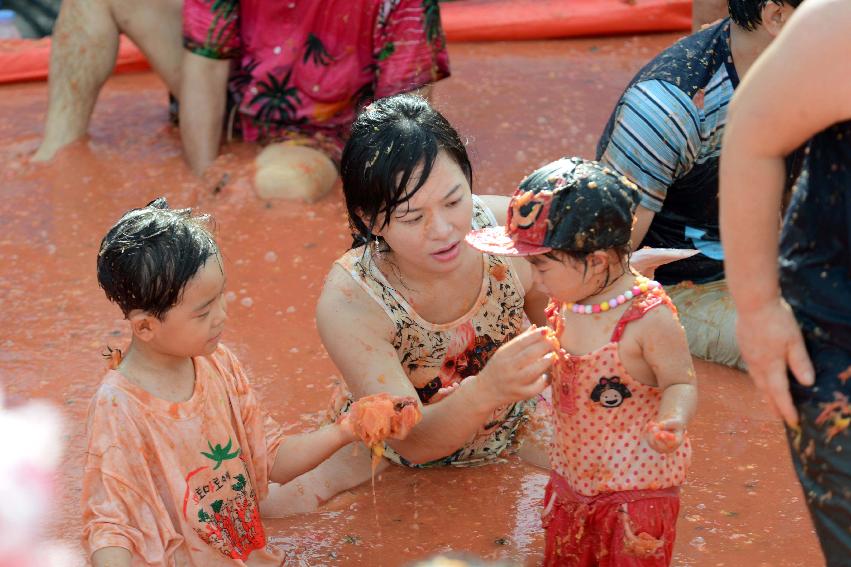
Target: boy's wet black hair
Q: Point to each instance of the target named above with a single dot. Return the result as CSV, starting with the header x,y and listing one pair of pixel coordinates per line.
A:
x,y
149,255
390,141
748,13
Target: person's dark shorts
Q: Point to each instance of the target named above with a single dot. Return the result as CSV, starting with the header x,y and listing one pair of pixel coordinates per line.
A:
x,y
821,448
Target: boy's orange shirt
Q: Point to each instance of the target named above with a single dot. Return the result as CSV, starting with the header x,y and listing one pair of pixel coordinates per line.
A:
x,y
180,483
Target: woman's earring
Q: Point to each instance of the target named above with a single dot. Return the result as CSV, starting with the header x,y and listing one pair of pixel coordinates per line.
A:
x,y
376,245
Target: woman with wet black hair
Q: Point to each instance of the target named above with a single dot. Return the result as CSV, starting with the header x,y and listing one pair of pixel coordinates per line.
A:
x,y
433,318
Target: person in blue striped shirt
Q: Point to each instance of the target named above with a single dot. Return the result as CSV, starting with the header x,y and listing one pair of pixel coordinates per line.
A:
x,y
665,135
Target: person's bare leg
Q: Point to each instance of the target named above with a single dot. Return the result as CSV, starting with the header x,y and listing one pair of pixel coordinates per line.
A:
x,y
349,467
83,53
705,12
156,27
290,171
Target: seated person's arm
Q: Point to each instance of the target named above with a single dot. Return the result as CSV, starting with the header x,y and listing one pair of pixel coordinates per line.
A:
x,y
111,557
293,455
202,108
119,510
112,510
357,334
643,218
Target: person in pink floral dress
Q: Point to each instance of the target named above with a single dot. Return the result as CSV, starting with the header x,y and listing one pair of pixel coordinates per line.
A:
x,y
303,70
293,71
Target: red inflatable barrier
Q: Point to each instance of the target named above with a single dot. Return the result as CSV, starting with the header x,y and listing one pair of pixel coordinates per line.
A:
x,y
29,59
464,20
495,20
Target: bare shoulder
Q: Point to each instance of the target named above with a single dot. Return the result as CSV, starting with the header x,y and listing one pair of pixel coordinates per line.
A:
x,y
344,307
664,317
656,350
498,205
358,335
661,327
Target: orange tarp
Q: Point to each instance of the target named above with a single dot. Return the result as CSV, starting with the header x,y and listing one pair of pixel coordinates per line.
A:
x,y
465,20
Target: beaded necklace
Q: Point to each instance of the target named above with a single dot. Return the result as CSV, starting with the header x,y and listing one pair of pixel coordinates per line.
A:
x,y
642,285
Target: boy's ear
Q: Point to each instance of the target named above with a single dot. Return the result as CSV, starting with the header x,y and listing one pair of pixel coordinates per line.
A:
x,y
144,325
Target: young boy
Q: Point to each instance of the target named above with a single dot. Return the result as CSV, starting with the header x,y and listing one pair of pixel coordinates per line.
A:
x,y
179,451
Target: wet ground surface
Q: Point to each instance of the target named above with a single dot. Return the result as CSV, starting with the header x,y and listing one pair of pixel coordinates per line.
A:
x,y
519,106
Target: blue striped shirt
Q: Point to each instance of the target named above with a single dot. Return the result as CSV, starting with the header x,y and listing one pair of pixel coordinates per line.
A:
x,y
665,134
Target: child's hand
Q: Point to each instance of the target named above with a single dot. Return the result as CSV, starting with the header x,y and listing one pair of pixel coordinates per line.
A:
x,y
407,415
345,425
373,419
665,436
516,370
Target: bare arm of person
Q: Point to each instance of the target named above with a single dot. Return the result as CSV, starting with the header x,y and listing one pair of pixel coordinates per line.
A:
x,y
298,454
665,349
202,108
643,218
111,557
805,66
357,334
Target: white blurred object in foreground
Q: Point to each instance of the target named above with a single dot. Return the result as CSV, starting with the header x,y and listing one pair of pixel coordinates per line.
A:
x,y
32,446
